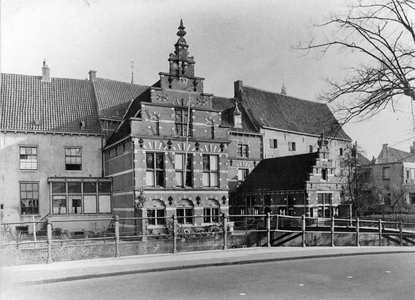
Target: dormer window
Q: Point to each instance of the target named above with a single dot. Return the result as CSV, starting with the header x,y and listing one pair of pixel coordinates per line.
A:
x,y
237,117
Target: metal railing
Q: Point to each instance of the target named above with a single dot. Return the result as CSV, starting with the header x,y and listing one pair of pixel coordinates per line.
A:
x,y
174,229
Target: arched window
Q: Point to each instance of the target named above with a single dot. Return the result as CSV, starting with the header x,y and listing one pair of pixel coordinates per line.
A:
x,y
184,212
156,212
211,211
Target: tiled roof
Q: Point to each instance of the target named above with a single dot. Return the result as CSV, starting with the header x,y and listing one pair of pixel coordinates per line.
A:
x,y
60,105
114,97
287,173
227,106
124,129
390,155
283,112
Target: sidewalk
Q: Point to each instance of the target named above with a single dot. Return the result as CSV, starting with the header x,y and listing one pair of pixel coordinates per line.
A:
x,y
84,269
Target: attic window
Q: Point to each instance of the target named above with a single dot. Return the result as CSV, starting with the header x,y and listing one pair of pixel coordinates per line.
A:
x,y
36,122
291,146
82,125
324,174
237,121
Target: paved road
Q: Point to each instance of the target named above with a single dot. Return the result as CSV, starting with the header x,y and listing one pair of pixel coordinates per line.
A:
x,y
379,276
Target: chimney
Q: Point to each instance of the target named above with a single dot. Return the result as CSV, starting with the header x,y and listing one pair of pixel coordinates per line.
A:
x,y
238,89
92,75
412,148
45,72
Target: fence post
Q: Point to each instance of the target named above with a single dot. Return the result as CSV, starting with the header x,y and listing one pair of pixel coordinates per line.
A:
x,y
332,231
400,233
225,225
49,234
117,235
357,233
303,230
276,226
34,230
268,229
174,234
380,232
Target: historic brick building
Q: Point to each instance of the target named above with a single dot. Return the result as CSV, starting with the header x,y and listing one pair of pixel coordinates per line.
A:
x,y
86,149
302,184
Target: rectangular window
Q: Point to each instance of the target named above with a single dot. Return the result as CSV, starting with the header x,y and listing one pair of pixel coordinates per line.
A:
x,y
324,198
324,174
28,158
211,215
273,143
155,169
242,150
156,216
310,148
78,197
180,170
184,215
73,159
182,121
29,198
291,146
242,174
341,151
210,170
386,173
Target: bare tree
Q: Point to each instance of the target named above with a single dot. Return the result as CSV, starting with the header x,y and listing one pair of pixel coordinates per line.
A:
x,y
394,198
383,32
357,179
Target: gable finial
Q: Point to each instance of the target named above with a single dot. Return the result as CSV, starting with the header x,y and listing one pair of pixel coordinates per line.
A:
x,y
181,32
283,90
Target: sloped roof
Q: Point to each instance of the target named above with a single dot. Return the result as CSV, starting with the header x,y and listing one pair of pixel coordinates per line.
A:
x,y
60,105
283,112
287,173
390,155
114,97
227,106
124,129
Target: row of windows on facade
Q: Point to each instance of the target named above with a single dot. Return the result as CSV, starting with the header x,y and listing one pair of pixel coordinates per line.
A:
x,y
284,199
273,144
28,158
156,215
68,198
183,124
155,170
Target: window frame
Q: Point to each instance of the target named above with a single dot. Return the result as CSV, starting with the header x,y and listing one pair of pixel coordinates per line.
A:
x,y
242,150
180,122
155,170
386,173
26,161
292,146
245,173
273,143
35,208
211,217
185,212
66,196
71,157
209,172
188,181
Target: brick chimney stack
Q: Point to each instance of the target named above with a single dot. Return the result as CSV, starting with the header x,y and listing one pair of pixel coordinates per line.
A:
x,y
45,72
92,75
238,88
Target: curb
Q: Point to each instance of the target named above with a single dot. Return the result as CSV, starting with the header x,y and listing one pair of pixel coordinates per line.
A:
x,y
204,265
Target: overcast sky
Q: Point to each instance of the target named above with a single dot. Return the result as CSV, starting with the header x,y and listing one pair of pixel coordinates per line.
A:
x,y
248,40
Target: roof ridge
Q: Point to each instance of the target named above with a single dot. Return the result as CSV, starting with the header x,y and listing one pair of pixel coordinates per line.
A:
x,y
282,95
129,83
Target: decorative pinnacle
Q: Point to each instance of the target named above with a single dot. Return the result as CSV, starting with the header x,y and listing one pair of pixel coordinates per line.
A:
x,y
181,28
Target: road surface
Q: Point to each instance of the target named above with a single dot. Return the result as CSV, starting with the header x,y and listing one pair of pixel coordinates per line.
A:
x,y
381,276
